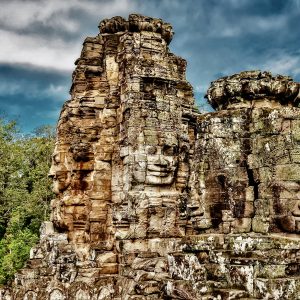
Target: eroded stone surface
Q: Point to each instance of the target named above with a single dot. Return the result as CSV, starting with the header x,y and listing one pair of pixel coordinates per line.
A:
x,y
155,201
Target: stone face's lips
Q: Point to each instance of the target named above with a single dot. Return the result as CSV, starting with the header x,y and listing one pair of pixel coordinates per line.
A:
x,y
253,85
159,169
161,173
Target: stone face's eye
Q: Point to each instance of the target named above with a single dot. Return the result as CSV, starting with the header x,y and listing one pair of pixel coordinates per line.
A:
x,y
152,150
169,150
56,158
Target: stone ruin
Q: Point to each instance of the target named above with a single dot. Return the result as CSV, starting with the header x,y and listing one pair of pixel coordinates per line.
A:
x,y
157,201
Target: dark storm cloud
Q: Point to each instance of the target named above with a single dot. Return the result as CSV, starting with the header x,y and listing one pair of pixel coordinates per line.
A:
x,y
216,37
32,96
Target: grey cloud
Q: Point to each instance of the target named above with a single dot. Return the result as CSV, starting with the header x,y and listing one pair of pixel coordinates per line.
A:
x,y
50,33
57,17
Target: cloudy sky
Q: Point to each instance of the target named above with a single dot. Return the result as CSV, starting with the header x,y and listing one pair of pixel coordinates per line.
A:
x,y
41,39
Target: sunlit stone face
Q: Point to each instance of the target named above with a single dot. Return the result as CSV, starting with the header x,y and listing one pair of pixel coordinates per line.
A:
x,y
287,207
156,165
60,172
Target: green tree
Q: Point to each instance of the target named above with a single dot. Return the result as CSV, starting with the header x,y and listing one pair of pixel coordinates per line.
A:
x,y
25,192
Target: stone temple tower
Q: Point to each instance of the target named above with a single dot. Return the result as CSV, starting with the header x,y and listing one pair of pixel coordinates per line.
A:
x,y
156,201
121,161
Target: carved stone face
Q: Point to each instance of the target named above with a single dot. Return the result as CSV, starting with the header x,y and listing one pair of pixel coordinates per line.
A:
x,y
156,165
60,172
198,213
291,221
287,207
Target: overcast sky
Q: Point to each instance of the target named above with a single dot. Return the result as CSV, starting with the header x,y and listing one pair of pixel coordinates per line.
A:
x,y
41,39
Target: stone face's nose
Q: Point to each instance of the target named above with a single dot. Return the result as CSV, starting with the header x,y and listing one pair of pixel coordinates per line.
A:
x,y
51,173
161,161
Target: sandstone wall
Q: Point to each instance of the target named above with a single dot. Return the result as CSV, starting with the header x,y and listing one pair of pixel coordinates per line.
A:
x,y
154,200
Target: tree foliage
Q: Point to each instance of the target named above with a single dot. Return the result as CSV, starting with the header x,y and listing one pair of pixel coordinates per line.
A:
x,y
25,193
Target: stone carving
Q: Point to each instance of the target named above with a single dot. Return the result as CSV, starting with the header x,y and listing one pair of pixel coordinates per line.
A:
x,y
232,91
156,201
287,206
60,171
30,296
157,165
137,23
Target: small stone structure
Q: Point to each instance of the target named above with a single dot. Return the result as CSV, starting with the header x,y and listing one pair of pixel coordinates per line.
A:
x,y
157,201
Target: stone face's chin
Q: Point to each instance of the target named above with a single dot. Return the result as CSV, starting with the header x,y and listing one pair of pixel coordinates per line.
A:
x,y
297,226
56,187
289,221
